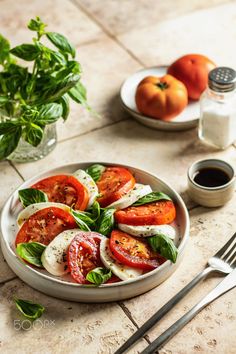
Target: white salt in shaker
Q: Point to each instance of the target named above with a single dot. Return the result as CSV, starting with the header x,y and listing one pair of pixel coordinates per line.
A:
x,y
217,124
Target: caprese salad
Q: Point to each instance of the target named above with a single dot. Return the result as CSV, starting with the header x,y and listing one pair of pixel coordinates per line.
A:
x,y
99,225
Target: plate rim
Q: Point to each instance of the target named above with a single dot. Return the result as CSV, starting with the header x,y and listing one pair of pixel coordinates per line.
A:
x,y
49,278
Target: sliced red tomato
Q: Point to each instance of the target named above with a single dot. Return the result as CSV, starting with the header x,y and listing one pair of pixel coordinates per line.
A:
x,y
44,225
156,213
113,279
84,255
64,189
133,252
113,184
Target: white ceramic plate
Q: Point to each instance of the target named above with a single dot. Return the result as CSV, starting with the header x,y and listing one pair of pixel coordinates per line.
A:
x,y
65,288
188,119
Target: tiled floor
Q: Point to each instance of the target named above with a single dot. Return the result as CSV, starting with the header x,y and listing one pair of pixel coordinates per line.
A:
x,y
115,38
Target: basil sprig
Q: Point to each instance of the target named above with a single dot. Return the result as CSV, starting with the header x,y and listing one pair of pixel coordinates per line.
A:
x,y
32,99
30,196
29,309
99,275
83,220
152,197
163,245
95,171
31,252
106,222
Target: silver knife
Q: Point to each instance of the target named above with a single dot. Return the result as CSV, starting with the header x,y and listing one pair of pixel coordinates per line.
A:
x,y
228,283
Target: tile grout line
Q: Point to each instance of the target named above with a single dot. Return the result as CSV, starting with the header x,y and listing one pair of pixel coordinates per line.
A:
x,y
2,283
106,31
13,166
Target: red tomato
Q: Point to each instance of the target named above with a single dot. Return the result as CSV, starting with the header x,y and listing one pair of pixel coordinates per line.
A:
x,y
192,70
64,189
44,225
84,255
133,252
113,184
156,213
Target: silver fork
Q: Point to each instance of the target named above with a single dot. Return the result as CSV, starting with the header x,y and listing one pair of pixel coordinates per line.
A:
x,y
223,262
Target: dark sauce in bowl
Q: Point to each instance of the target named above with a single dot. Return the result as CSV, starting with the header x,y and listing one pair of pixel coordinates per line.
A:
x,y
211,177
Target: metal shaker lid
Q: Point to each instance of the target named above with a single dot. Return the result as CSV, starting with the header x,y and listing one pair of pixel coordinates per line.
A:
x,y
222,79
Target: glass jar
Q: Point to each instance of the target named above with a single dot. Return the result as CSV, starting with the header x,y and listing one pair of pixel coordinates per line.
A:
x,y
217,125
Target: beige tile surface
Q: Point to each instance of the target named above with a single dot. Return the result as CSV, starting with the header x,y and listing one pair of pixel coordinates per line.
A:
x,y
119,16
65,327
9,181
61,16
210,32
207,332
166,154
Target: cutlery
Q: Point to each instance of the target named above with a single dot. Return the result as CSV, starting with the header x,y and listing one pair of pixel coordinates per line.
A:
x,y
220,262
225,285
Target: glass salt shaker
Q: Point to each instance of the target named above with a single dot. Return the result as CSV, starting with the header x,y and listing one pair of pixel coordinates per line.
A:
x,y
217,125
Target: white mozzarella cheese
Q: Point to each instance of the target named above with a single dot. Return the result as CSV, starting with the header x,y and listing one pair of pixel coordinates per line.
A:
x,y
148,230
120,270
87,181
33,208
54,255
139,191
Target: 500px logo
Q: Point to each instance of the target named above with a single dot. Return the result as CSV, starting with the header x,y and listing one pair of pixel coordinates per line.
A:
x,y
26,325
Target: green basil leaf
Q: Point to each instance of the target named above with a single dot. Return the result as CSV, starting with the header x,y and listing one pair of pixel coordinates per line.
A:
x,y
30,196
3,100
9,142
58,57
95,211
31,252
33,134
64,101
61,42
163,245
7,127
83,220
49,113
78,94
36,25
29,309
152,197
95,171
4,49
106,221
99,275
27,52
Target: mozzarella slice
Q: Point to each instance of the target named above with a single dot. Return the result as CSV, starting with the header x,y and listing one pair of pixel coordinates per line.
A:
x,y
148,230
120,270
54,255
89,184
33,208
139,191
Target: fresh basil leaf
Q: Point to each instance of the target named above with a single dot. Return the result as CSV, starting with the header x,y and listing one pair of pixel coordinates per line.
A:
x,y
99,275
152,197
36,25
29,309
78,94
95,171
61,42
33,134
30,196
9,142
95,211
7,127
64,101
82,220
106,221
31,252
27,52
4,49
58,57
3,100
49,113
163,245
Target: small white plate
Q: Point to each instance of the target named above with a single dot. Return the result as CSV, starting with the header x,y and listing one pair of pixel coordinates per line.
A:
x,y
64,287
188,119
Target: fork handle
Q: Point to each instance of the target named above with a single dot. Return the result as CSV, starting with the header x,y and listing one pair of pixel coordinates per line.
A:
x,y
163,310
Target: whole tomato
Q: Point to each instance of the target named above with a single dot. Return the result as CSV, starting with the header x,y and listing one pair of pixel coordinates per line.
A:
x,y
161,97
192,70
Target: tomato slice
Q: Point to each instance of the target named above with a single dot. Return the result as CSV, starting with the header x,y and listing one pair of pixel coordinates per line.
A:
x,y
113,184
133,252
84,255
44,225
64,189
156,213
